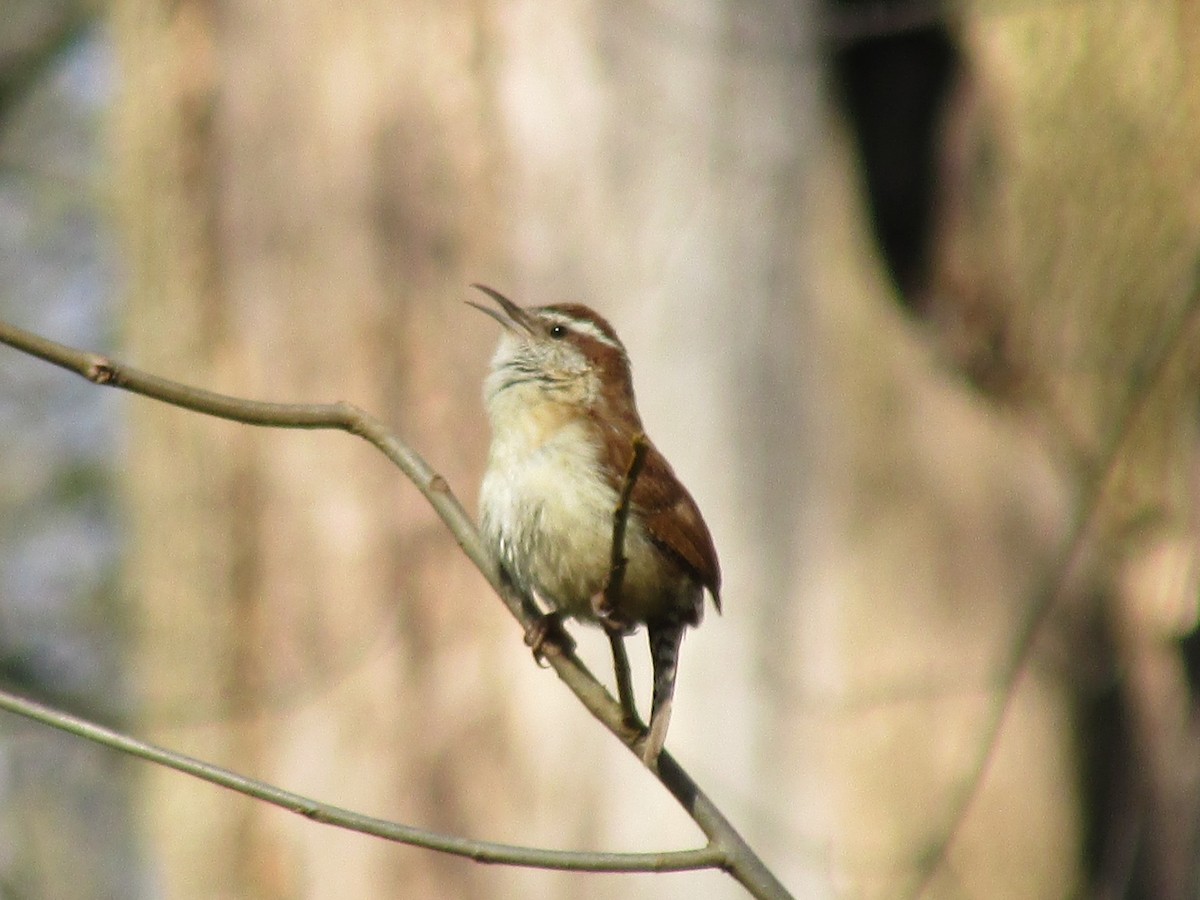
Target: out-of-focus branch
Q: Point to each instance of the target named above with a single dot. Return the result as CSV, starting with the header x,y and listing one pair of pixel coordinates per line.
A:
x,y
1182,337
480,851
726,850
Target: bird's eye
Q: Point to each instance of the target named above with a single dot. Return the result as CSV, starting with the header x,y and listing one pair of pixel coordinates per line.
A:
x,y
558,332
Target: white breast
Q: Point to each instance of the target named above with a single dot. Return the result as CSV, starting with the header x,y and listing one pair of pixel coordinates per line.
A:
x,y
546,511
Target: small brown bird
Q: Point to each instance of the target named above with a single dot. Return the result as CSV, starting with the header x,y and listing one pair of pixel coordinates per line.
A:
x,y
564,426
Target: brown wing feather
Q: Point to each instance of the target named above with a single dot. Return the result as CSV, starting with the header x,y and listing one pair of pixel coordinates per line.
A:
x,y
674,521
664,505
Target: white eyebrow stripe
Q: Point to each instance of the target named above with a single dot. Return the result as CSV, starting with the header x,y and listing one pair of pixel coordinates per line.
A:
x,y
583,326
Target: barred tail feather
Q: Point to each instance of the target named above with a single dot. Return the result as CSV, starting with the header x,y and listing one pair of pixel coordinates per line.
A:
x,y
665,641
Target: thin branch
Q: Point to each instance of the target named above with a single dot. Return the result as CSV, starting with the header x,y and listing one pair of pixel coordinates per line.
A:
x,y
618,563
729,851
480,851
624,677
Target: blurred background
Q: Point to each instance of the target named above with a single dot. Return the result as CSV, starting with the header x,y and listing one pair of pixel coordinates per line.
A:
x,y
911,293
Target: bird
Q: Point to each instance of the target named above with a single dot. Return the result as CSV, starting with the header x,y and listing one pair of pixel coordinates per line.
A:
x,y
565,434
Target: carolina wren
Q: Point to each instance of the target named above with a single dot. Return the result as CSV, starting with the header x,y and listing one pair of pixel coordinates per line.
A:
x,y
560,399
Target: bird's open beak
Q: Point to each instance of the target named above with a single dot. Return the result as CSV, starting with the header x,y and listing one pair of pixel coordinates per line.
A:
x,y
512,317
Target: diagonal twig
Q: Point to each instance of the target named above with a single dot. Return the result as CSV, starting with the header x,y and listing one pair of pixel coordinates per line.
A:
x,y
618,561
616,580
480,851
1058,579
624,678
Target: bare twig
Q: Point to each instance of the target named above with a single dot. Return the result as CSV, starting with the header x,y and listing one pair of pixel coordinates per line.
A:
x,y
726,850
616,581
624,677
619,562
480,851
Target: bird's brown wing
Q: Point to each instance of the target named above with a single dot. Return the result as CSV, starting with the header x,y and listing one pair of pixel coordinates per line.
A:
x,y
673,520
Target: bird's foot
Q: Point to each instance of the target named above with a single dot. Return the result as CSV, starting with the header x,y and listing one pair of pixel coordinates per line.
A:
x,y
607,615
549,629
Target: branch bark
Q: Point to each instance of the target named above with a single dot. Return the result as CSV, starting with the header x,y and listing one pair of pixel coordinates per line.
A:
x,y
726,850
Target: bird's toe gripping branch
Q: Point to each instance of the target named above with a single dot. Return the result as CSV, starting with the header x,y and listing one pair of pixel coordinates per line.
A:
x,y
549,629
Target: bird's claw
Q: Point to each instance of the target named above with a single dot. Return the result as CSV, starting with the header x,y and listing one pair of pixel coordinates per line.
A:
x,y
549,629
607,615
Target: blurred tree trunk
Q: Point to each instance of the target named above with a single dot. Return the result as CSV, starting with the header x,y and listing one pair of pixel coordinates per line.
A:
x,y
305,190
1066,287
1051,383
